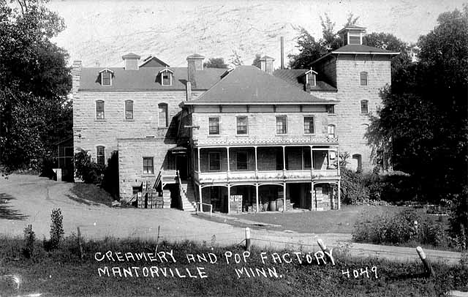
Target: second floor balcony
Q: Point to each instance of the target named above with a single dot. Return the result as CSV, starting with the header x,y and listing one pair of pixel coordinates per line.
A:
x,y
265,164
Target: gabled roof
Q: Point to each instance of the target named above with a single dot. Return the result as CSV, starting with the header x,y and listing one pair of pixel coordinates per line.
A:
x,y
292,76
250,85
144,79
357,49
152,61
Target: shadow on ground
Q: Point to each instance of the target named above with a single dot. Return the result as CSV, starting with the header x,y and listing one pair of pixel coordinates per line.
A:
x,y
6,212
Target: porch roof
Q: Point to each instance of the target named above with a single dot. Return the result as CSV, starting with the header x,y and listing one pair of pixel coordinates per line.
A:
x,y
254,141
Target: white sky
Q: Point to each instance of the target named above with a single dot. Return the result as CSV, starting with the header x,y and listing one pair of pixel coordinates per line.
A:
x,y
100,32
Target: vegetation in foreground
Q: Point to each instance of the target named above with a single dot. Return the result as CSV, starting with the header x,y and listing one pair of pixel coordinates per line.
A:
x,y
73,269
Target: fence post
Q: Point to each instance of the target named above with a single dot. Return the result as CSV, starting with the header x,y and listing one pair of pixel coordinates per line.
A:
x,y
247,239
80,246
326,251
427,265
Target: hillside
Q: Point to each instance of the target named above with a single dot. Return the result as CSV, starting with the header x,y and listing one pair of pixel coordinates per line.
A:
x,y
100,32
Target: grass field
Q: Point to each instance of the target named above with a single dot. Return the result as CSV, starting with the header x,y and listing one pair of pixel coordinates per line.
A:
x,y
218,272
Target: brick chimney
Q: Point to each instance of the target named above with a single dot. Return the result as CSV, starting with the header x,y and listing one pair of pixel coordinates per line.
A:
x,y
194,64
131,61
76,75
266,64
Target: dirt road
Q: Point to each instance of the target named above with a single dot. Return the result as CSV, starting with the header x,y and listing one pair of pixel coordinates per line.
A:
x,y
30,199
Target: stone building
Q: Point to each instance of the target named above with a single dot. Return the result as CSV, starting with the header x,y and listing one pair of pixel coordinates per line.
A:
x,y
353,75
258,144
236,140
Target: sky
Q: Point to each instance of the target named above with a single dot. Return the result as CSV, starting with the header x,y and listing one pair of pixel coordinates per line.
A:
x,y
100,32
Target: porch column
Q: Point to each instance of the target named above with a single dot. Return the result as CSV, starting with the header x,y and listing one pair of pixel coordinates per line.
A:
x,y
338,158
229,198
256,163
284,161
284,196
228,165
198,161
312,196
201,198
256,196
339,195
311,162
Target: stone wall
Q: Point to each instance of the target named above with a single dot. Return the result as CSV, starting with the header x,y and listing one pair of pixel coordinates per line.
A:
x,y
131,153
351,124
261,125
90,132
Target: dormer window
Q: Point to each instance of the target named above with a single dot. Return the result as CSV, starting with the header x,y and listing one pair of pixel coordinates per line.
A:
x,y
310,80
106,76
166,77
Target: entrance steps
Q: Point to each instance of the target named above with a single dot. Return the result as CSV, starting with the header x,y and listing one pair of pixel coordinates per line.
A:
x,y
187,196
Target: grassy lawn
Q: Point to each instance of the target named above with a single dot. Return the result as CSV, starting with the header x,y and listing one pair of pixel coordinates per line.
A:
x,y
90,194
62,273
331,221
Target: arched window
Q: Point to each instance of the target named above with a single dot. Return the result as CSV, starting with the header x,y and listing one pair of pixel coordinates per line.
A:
x,y
129,110
100,109
163,119
357,162
100,155
364,106
331,131
363,77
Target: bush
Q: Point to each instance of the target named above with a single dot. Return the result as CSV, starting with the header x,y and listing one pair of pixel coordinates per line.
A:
x,y
353,189
404,227
56,228
86,169
29,239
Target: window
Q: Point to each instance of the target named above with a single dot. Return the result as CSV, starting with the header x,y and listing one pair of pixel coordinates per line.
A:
x,y
100,155
331,109
214,161
106,78
354,38
148,167
364,106
308,125
100,109
331,131
242,160
163,121
129,110
281,123
242,125
213,126
363,77
166,77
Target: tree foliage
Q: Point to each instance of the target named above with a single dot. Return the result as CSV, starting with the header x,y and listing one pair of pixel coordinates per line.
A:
x,y
311,49
422,127
256,62
215,63
34,83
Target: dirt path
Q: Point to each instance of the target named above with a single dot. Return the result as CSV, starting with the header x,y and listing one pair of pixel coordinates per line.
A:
x,y
32,199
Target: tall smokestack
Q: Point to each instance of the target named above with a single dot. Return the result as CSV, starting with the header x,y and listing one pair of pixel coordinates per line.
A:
x,y
282,52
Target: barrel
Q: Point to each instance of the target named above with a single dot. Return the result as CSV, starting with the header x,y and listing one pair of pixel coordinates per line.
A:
x,y
272,205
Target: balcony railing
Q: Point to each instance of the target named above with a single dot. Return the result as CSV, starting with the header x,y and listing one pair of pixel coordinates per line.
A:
x,y
275,175
254,140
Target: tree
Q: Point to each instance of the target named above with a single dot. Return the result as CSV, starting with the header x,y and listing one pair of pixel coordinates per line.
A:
x,y
34,83
256,62
311,50
215,63
423,124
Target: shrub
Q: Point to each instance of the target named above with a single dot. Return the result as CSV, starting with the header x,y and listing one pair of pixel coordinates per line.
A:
x,y
353,189
400,228
56,228
29,239
86,169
